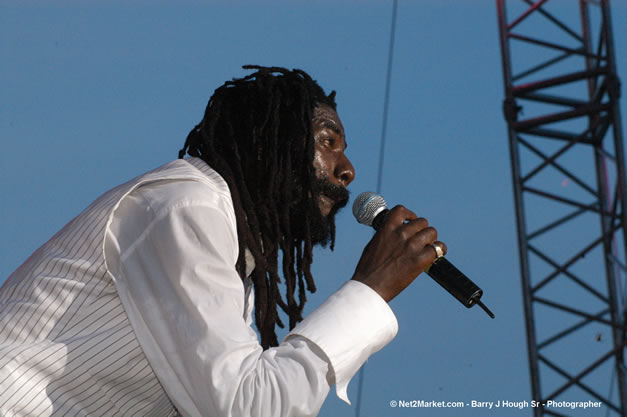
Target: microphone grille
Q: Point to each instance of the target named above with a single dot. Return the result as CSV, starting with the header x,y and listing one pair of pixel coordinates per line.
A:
x,y
366,207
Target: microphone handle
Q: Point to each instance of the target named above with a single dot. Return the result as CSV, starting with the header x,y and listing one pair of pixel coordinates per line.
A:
x,y
454,281
450,278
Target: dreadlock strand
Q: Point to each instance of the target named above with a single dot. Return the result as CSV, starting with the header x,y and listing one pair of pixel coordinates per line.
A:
x,y
307,260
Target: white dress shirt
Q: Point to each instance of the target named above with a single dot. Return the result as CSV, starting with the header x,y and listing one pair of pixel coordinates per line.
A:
x,y
177,245
169,248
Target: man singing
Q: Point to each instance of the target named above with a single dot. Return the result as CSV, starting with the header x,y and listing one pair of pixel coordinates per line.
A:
x,y
142,304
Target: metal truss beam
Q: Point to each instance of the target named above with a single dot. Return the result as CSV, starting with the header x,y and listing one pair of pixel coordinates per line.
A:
x,y
567,157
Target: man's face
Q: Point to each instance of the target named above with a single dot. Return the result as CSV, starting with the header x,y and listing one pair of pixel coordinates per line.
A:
x,y
334,170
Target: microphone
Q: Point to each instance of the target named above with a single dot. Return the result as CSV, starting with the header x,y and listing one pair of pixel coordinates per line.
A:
x,y
370,209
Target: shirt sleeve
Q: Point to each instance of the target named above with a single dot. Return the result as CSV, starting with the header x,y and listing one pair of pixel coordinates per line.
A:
x,y
173,265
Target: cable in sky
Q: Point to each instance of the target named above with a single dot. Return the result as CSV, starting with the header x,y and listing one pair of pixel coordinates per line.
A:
x,y
386,100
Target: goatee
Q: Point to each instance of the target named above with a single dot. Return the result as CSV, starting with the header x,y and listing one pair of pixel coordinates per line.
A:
x,y
321,227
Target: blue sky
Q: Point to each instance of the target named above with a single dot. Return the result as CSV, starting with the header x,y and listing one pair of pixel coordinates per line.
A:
x,y
94,93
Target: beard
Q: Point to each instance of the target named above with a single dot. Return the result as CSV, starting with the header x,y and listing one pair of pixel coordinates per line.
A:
x,y
321,227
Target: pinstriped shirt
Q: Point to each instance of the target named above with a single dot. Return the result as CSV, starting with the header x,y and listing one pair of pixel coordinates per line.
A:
x,y
66,344
135,307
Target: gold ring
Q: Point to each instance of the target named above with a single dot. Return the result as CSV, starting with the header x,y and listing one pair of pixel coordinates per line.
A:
x,y
439,252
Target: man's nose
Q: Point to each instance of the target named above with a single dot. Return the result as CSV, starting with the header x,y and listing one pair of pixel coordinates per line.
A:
x,y
344,171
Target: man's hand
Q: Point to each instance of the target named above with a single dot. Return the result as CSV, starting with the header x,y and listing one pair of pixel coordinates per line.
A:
x,y
397,253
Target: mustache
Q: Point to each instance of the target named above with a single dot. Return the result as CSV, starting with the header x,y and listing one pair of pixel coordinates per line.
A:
x,y
337,193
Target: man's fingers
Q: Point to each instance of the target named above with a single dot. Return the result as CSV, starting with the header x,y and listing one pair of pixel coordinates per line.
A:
x,y
420,242
412,227
420,238
398,216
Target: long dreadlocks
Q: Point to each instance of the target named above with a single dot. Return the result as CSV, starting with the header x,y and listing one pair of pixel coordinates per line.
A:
x,y
257,134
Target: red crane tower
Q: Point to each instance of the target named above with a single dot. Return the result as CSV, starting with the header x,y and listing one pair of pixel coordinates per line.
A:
x,y
562,111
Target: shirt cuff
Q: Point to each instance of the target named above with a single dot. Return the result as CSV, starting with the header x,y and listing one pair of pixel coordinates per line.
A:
x,y
349,326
